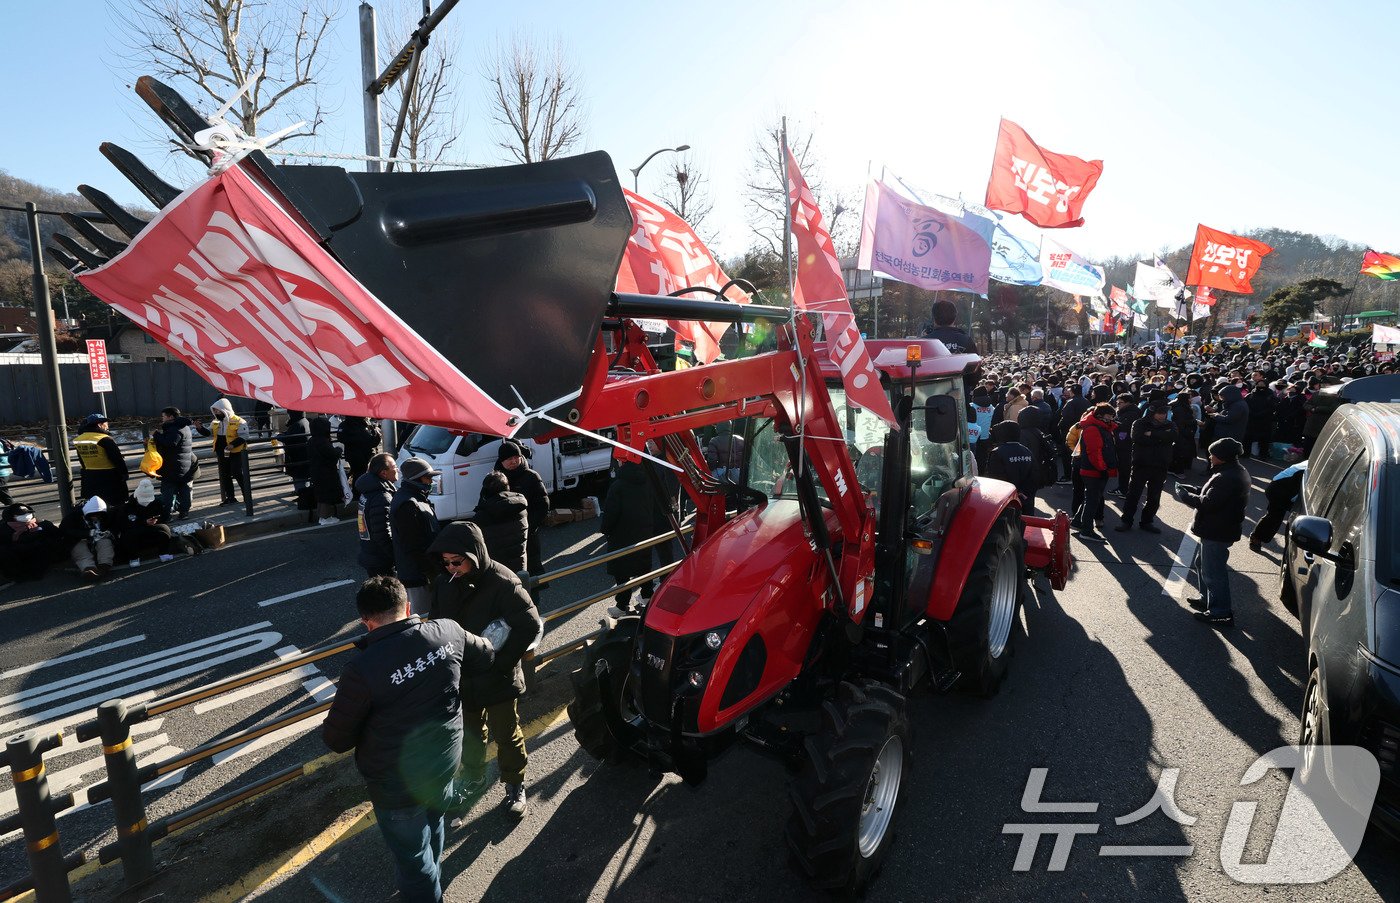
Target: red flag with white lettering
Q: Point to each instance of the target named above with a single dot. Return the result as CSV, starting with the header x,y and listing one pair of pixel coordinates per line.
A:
x,y
665,254
1047,188
1224,261
821,289
233,285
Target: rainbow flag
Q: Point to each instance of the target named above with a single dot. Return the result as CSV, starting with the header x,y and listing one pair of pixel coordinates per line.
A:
x,y
1382,266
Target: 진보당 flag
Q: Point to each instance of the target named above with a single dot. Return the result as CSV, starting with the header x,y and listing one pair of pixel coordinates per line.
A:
x,y
1047,188
1224,261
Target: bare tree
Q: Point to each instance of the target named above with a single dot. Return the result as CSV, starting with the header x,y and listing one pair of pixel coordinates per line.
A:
x,y
536,100
431,123
685,193
767,195
220,45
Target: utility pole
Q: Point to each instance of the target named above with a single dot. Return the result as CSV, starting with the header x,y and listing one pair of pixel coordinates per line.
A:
x,y
48,354
374,147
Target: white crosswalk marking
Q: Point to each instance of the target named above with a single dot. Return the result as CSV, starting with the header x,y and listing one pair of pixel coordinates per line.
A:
x,y
27,669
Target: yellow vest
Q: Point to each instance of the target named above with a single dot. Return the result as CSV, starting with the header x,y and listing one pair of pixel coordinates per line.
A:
x,y
232,426
90,454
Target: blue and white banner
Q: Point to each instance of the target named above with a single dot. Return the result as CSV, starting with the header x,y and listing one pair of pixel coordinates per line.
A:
x,y
1065,270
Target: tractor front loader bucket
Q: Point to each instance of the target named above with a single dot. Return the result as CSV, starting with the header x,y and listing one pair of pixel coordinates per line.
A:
x,y
373,285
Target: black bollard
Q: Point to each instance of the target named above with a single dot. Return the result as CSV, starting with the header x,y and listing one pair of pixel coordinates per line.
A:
x,y
138,863
46,866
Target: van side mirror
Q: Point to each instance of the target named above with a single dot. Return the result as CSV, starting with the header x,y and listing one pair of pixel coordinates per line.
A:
x,y
941,419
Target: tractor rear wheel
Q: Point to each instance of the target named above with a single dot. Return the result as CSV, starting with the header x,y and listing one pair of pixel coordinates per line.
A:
x,y
605,722
984,622
845,796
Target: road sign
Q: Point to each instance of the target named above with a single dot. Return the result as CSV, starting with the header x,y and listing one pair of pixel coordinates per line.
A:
x,y
97,365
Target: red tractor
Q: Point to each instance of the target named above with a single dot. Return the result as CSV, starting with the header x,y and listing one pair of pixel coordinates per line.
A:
x,y
848,565
862,561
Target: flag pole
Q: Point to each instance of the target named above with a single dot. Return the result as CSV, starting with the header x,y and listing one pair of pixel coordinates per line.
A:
x,y
792,300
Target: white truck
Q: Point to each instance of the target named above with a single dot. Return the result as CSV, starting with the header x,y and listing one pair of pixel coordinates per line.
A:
x,y
466,458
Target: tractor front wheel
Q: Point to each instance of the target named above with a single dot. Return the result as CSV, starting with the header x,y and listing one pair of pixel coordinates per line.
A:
x,y
845,796
605,722
984,622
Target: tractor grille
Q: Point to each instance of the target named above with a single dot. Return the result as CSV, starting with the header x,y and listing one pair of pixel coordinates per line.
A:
x,y
1383,739
658,663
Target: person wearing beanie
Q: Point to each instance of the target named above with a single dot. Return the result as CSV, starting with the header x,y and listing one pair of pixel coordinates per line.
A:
x,y
511,461
1220,506
89,531
1154,440
1013,462
413,524
104,467
143,528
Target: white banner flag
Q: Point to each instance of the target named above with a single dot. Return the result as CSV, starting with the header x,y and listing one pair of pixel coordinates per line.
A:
x,y
1157,283
1065,270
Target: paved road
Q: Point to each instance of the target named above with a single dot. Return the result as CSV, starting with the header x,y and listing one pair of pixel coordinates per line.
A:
x,y
1112,684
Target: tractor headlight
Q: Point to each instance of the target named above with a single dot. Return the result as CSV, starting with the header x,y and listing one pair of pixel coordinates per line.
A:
x,y
713,640
696,679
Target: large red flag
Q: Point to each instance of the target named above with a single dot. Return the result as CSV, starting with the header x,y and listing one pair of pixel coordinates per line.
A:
x,y
1047,188
822,289
664,254
1224,261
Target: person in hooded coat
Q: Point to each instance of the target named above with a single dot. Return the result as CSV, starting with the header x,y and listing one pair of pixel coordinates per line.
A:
x,y
88,530
143,530
361,438
28,545
629,516
1044,450
230,450
504,519
1231,419
294,457
414,522
1183,419
1263,409
326,471
477,592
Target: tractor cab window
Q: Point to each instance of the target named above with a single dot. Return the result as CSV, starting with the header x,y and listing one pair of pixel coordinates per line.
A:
x,y
770,471
934,466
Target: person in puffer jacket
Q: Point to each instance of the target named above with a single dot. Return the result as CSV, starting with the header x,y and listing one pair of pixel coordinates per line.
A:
x,y
375,488
504,519
486,598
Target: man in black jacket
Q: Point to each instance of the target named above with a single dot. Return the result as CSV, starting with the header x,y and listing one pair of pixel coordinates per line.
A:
x,y
1011,461
375,488
413,521
175,442
486,598
104,468
1220,507
510,460
397,706
504,519
1153,442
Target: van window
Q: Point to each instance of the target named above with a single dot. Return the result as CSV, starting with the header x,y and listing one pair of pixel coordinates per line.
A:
x,y
430,440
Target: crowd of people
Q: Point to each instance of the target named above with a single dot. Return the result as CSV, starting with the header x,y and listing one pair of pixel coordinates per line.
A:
x,y
1122,423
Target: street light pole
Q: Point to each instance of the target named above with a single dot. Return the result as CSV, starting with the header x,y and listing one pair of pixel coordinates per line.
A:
x,y
636,173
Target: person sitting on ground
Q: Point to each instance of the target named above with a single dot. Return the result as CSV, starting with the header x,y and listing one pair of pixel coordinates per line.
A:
x,y
487,599
143,530
28,546
504,519
88,530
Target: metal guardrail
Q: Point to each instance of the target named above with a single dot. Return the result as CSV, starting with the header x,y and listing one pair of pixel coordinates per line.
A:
x,y
39,809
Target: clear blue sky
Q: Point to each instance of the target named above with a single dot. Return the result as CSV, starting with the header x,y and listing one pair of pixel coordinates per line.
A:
x,y
1238,115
